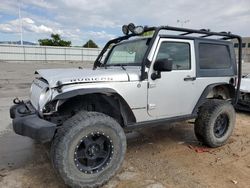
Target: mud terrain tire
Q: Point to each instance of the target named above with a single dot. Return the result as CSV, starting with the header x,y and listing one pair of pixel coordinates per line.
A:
x,y
93,134
215,122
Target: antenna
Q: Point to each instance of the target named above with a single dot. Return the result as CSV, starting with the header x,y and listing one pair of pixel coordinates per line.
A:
x,y
21,22
182,22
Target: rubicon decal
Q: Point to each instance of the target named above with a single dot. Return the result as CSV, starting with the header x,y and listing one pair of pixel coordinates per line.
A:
x,y
92,79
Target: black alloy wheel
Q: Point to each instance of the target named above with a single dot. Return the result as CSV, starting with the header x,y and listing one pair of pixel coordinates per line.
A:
x,y
93,153
221,125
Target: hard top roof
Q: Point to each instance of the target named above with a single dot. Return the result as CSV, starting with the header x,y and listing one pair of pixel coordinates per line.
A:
x,y
210,40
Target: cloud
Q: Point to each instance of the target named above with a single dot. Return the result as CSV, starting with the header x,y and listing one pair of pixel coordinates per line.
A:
x,y
100,35
28,24
221,15
40,4
79,20
12,26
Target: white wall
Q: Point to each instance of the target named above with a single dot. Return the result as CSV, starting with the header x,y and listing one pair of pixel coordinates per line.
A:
x,y
47,53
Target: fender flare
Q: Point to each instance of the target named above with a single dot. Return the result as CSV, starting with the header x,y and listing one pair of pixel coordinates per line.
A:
x,y
83,91
125,109
206,91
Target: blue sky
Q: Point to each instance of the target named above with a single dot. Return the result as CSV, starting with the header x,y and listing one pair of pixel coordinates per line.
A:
x,y
101,20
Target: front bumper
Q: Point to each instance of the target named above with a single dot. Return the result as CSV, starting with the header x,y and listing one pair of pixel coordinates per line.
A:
x,y
26,122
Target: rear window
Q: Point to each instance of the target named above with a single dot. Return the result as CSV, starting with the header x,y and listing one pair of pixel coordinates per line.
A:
x,y
214,56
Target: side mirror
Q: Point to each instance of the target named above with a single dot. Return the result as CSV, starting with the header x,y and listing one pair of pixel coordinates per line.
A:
x,y
161,65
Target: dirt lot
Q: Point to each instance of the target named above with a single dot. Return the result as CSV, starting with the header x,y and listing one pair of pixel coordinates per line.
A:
x,y
156,157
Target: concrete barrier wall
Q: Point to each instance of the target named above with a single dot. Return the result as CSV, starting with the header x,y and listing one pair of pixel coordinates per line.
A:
x,y
47,53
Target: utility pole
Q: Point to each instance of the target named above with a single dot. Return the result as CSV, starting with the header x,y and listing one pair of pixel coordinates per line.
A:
x,y
21,22
182,22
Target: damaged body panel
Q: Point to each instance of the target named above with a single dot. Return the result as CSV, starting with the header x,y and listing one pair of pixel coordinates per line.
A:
x,y
244,99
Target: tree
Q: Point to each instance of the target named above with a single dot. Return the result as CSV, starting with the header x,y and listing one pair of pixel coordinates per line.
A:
x,y
54,41
90,44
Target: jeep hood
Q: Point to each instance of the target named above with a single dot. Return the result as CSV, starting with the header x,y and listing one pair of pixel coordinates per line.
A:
x,y
76,75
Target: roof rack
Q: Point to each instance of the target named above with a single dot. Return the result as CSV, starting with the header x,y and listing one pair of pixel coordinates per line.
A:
x,y
185,31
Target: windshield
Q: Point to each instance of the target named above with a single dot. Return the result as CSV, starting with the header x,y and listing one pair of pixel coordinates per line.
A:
x,y
128,53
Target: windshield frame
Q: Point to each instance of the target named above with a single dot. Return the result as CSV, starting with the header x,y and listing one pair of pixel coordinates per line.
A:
x,y
121,43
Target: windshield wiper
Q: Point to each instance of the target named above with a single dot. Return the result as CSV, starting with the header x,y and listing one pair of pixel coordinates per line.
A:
x,y
117,64
121,65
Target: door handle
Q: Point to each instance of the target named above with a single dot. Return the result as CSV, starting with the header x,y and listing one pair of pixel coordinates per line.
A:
x,y
189,78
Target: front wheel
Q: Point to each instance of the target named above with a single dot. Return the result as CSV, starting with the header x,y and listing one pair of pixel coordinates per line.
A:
x,y
215,122
88,149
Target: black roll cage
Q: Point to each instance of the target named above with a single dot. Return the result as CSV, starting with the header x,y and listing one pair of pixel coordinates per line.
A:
x,y
184,32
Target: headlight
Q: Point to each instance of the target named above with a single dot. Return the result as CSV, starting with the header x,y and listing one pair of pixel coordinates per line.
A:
x,y
44,98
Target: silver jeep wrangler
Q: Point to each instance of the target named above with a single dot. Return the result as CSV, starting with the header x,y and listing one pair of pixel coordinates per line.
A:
x,y
136,81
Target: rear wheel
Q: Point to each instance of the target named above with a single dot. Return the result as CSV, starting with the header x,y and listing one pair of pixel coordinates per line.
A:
x,y
215,122
88,149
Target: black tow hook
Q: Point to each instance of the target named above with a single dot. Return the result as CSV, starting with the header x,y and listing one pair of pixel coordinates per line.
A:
x,y
17,101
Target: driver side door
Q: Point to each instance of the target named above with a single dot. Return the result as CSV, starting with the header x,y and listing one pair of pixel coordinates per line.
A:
x,y
174,93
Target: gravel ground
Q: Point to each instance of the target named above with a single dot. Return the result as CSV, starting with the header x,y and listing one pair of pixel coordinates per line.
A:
x,y
156,157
